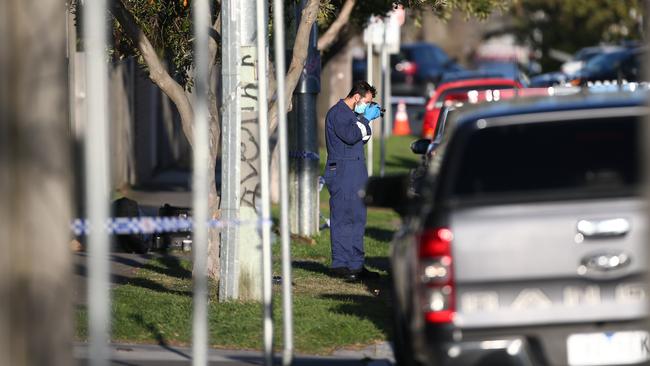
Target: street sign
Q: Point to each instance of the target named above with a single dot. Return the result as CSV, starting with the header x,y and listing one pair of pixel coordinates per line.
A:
x,y
385,32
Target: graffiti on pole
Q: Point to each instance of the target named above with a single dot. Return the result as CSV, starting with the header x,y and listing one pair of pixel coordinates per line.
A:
x,y
248,76
250,152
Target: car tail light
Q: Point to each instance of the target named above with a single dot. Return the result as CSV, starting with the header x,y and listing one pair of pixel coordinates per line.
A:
x,y
428,125
436,276
406,67
410,68
431,104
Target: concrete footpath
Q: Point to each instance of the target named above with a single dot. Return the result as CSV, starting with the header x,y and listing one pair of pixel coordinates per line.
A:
x,y
150,355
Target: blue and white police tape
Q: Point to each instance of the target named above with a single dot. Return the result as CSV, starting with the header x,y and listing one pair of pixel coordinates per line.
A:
x,y
155,225
304,155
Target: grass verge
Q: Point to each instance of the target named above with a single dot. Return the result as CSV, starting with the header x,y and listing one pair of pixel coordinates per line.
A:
x,y
329,313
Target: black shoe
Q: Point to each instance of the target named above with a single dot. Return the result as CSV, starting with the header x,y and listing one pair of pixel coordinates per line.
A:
x,y
366,274
341,272
352,277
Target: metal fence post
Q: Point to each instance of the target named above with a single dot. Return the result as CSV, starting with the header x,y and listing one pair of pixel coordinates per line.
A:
x,y
97,189
200,184
287,308
369,66
385,79
264,179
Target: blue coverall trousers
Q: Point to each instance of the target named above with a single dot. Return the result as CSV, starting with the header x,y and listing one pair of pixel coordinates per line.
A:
x,y
344,179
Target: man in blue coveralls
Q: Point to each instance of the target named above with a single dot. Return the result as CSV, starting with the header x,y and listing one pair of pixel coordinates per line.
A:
x,y
347,129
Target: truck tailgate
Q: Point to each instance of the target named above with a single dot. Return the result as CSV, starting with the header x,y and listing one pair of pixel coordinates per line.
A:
x,y
531,263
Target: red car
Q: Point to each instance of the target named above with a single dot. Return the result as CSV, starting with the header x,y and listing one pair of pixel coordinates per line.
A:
x,y
457,91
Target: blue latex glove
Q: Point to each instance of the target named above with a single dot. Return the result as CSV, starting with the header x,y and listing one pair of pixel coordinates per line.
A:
x,y
373,111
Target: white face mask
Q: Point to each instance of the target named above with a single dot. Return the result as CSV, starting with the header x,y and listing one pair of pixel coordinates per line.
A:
x,y
361,107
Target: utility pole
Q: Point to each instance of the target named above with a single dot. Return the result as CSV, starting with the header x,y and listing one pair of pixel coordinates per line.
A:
x,y
35,186
241,253
303,142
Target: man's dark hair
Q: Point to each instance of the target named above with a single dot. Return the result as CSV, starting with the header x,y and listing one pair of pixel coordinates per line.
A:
x,y
362,88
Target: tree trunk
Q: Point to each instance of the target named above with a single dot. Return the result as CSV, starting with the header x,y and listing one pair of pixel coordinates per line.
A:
x,y
35,186
214,200
213,233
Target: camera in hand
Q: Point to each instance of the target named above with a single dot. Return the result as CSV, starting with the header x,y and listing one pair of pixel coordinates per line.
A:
x,y
381,110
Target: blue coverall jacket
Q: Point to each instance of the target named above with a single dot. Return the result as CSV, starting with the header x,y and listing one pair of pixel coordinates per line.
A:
x,y
345,175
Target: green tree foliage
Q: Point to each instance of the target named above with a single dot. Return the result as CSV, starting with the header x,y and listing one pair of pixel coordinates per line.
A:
x,y
168,24
363,9
568,25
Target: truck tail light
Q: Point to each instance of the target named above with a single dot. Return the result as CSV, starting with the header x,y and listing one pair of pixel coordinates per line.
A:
x,y
436,276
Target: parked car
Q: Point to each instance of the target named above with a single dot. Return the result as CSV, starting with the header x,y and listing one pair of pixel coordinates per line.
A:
x,y
450,92
508,69
549,79
527,244
583,55
473,74
613,66
415,70
427,147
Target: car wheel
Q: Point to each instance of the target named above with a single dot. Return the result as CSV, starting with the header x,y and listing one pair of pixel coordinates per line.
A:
x,y
402,343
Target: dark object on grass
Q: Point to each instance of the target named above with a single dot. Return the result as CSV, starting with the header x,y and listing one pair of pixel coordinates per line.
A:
x,y
180,240
138,243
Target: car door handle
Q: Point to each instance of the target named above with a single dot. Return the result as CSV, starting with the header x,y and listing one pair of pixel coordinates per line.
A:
x,y
603,228
605,262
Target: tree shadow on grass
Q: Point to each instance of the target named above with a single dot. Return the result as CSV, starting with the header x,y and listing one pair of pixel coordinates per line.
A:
x,y
148,284
172,267
381,263
155,332
375,308
401,162
117,279
311,266
380,234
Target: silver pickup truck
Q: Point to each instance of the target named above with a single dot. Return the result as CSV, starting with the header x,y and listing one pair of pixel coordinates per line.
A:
x,y
526,244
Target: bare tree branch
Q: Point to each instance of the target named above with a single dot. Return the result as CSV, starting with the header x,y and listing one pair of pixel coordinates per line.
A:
x,y
157,71
300,49
326,40
215,33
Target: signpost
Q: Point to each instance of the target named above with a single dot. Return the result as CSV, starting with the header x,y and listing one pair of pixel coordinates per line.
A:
x,y
382,35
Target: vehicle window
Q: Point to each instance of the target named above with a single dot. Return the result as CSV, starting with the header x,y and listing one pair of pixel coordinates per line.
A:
x,y
425,56
630,67
550,161
605,61
397,58
440,124
441,56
